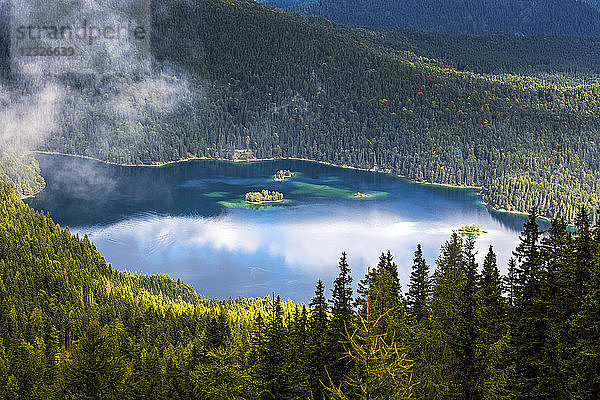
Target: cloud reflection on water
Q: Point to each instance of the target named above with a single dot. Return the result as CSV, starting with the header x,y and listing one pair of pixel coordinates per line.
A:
x,y
247,254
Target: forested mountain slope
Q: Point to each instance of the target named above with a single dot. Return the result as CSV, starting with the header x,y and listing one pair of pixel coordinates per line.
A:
x,y
73,327
497,53
239,75
521,17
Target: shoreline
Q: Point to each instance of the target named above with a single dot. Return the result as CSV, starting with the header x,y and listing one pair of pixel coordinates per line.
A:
x,y
182,160
505,211
187,159
263,202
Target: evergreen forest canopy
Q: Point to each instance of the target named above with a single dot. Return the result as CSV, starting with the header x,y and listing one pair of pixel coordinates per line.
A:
x,y
71,326
244,76
474,17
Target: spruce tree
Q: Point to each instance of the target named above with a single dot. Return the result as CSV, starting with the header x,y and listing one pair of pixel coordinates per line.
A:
x,y
556,302
492,346
318,354
341,320
529,320
96,369
271,363
491,305
419,288
468,328
580,271
380,367
586,365
381,289
446,314
297,357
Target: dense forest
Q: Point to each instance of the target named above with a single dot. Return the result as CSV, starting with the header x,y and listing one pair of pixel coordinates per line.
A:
x,y
520,17
240,75
497,53
71,326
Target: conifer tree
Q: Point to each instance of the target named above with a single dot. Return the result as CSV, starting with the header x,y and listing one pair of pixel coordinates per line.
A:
x,y
468,327
298,358
419,288
380,367
492,347
491,306
341,319
529,320
579,273
270,368
511,283
381,289
556,253
97,368
318,357
587,331
446,316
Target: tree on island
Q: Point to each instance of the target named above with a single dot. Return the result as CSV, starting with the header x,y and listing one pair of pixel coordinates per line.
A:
x,y
264,196
282,175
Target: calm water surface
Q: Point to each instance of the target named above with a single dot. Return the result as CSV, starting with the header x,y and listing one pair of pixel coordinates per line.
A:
x,y
188,220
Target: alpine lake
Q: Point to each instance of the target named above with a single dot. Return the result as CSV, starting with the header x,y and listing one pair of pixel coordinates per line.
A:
x,y
189,220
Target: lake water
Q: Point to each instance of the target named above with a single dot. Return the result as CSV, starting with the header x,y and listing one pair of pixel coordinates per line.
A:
x,y
188,220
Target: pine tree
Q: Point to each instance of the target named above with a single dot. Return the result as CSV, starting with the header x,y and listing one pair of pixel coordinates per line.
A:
x,y
381,289
96,369
341,320
579,274
529,319
318,353
419,288
492,346
446,314
556,253
491,305
527,254
271,363
468,327
297,358
218,329
380,368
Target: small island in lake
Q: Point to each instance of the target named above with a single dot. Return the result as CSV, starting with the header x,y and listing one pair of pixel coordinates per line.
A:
x,y
282,175
470,230
360,195
264,196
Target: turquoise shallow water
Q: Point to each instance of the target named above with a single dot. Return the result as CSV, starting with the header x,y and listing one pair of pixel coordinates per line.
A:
x,y
188,220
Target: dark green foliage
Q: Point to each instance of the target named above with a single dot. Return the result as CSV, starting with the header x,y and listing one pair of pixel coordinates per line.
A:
x,y
96,368
340,322
492,352
566,17
270,372
380,289
419,288
318,355
468,327
537,55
